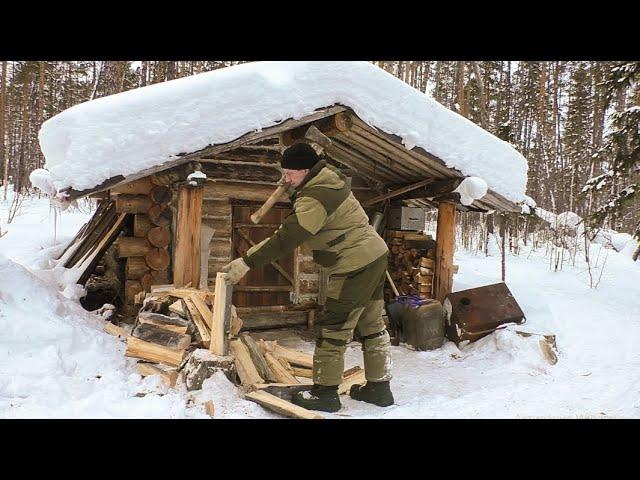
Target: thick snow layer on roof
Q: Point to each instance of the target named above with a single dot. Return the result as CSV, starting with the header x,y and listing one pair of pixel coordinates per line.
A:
x,y
128,132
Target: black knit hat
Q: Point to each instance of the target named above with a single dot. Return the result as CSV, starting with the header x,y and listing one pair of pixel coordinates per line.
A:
x,y
300,156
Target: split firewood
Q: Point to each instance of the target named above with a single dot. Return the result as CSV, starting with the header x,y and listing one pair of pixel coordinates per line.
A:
x,y
153,353
294,357
285,364
356,378
246,369
202,364
281,406
160,336
210,408
115,330
280,372
173,324
168,375
258,358
207,315
236,323
199,322
178,308
302,372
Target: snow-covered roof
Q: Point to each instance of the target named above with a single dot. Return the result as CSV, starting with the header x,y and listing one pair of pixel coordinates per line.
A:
x,y
126,133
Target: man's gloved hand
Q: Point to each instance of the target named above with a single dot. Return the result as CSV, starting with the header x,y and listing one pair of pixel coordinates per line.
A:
x,y
235,270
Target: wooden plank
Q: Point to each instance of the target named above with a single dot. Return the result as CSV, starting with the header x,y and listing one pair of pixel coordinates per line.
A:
x,y
281,406
445,246
142,186
397,192
153,353
221,316
168,376
187,248
246,369
198,321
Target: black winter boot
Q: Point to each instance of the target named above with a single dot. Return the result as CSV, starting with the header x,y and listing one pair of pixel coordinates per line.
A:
x,y
378,393
319,397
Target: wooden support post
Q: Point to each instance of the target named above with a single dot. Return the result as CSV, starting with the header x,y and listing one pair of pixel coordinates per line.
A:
x,y
187,255
445,246
221,316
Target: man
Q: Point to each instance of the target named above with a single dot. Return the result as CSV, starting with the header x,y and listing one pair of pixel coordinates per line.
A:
x,y
331,222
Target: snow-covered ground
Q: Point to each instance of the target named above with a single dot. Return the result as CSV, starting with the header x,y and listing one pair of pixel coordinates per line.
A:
x,y
55,361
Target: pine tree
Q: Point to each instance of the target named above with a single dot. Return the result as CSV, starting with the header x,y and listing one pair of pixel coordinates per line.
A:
x,y
621,148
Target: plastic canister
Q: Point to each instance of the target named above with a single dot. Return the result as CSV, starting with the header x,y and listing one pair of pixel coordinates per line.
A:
x,y
420,322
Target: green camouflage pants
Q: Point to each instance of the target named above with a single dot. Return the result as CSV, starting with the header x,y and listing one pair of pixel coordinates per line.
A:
x,y
354,304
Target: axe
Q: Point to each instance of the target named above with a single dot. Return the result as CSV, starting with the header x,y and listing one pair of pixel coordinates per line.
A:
x,y
319,142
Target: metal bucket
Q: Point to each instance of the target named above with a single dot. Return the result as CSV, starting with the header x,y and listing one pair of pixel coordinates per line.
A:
x,y
418,322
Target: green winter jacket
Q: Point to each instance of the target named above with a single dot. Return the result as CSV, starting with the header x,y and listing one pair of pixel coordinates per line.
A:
x,y
328,220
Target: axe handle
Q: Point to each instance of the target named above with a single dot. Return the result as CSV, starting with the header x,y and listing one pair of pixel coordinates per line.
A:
x,y
257,216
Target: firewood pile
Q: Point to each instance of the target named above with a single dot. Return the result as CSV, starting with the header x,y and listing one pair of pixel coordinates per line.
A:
x,y
411,262
172,337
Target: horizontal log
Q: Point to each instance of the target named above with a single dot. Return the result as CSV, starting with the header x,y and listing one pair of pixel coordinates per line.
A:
x,y
266,320
142,186
214,207
241,191
160,277
132,247
131,289
161,336
151,352
168,376
132,203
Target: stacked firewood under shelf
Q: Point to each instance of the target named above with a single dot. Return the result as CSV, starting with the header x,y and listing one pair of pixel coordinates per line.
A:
x,y
146,252
172,335
411,262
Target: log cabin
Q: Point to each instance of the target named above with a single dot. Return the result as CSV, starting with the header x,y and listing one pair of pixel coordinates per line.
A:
x,y
180,219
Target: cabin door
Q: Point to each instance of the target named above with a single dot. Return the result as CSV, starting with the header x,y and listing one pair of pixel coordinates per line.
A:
x,y
268,285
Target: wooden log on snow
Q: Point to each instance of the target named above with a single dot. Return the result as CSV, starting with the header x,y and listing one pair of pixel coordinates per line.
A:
x,y
281,390
115,330
246,369
157,259
281,406
132,247
159,237
135,268
151,352
302,372
132,203
202,364
169,376
293,356
356,378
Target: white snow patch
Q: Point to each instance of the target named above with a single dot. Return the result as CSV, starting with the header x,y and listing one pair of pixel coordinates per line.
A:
x,y
471,189
125,133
